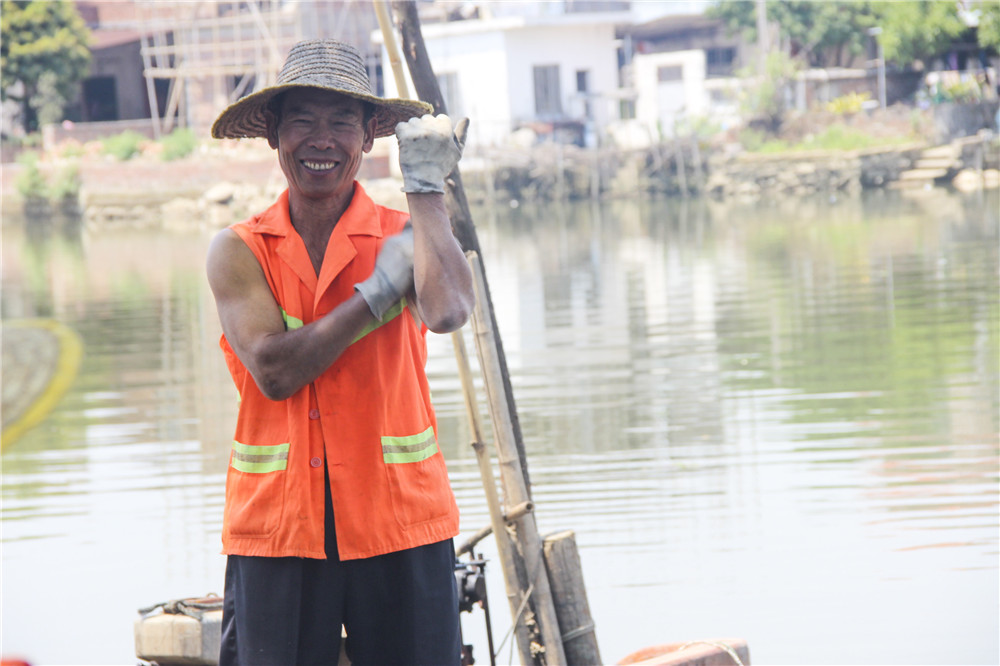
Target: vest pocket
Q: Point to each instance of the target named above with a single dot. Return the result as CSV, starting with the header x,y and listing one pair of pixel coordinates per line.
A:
x,y
418,478
255,487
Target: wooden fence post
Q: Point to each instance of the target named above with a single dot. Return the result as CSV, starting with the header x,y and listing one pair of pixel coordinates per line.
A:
x,y
572,609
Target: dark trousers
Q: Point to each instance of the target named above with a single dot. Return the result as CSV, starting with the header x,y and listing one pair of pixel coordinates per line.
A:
x,y
400,608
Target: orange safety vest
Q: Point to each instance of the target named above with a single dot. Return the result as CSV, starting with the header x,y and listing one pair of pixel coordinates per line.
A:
x,y
367,419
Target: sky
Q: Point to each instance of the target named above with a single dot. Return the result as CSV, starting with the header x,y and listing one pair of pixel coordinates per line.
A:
x,y
647,10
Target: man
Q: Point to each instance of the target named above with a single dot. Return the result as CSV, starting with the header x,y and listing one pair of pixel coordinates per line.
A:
x,y
338,507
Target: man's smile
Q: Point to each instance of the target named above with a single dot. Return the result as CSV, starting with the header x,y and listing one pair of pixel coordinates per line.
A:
x,y
318,166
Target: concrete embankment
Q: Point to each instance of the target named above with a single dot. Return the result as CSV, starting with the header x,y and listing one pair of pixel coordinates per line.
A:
x,y
218,187
687,169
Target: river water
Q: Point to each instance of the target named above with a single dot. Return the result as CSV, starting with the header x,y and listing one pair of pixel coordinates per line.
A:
x,y
777,422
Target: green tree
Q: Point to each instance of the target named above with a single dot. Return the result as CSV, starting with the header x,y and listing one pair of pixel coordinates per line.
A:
x,y
765,100
824,34
44,47
820,34
917,29
989,26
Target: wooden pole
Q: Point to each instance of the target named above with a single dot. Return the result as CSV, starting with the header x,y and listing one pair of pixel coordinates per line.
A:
x,y
506,548
519,588
535,618
562,560
539,594
385,25
429,91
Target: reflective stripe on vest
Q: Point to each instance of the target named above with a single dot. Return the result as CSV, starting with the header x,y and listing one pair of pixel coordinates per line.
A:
x,y
409,449
259,459
292,323
387,316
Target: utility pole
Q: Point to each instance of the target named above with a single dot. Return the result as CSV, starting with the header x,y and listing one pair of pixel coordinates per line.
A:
x,y
762,37
879,64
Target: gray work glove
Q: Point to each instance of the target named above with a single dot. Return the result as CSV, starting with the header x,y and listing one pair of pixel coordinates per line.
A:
x,y
429,150
393,274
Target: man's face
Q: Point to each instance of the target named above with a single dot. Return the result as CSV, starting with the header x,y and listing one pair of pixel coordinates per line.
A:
x,y
320,137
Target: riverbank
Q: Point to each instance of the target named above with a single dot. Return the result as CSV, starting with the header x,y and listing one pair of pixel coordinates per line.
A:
x,y
226,181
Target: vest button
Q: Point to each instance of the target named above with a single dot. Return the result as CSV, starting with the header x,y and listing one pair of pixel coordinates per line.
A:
x,y
314,414
316,462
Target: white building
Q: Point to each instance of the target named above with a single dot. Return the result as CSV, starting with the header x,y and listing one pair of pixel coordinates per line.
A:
x,y
557,73
673,91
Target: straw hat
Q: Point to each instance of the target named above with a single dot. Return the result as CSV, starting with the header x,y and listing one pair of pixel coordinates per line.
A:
x,y
317,63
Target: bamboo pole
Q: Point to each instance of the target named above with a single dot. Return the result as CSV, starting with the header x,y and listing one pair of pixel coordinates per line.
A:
x,y
385,25
513,482
427,89
498,522
535,619
518,591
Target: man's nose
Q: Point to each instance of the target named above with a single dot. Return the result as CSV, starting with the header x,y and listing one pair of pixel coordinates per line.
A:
x,y
323,136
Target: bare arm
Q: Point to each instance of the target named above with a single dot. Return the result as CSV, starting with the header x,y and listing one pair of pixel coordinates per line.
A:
x,y
280,361
428,150
441,274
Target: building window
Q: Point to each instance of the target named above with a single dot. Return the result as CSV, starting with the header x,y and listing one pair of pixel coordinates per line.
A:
x,y
583,88
448,83
547,97
626,109
719,61
671,73
100,99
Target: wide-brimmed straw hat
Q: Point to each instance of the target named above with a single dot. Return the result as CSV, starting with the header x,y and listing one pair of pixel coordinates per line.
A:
x,y
316,63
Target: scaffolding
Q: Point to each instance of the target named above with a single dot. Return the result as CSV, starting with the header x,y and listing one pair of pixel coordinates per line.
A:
x,y
199,57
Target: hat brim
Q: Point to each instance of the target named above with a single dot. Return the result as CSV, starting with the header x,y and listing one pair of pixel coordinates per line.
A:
x,y
244,118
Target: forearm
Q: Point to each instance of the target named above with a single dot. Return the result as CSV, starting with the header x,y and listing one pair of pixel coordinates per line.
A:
x,y
282,363
441,275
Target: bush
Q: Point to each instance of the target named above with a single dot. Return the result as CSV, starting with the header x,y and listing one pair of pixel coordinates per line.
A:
x,y
39,194
66,184
179,143
765,97
71,148
30,182
850,103
123,146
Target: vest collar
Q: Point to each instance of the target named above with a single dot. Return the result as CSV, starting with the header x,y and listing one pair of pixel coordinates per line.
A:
x,y
360,219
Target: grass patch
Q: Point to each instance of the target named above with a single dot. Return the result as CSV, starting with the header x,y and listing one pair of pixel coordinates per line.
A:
x,y
836,137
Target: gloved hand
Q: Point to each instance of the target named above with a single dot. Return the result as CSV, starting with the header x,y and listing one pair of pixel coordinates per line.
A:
x,y
393,274
428,151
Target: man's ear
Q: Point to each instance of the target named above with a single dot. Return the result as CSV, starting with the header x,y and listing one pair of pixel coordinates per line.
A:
x,y
271,127
370,128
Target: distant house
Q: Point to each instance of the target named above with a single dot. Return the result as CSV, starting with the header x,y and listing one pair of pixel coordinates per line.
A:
x,y
178,63
553,70
114,88
682,68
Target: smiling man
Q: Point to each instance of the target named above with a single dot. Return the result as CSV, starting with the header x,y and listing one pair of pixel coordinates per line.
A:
x,y
338,507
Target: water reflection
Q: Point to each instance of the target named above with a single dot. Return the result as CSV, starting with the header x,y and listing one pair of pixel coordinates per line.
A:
x,y
776,421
